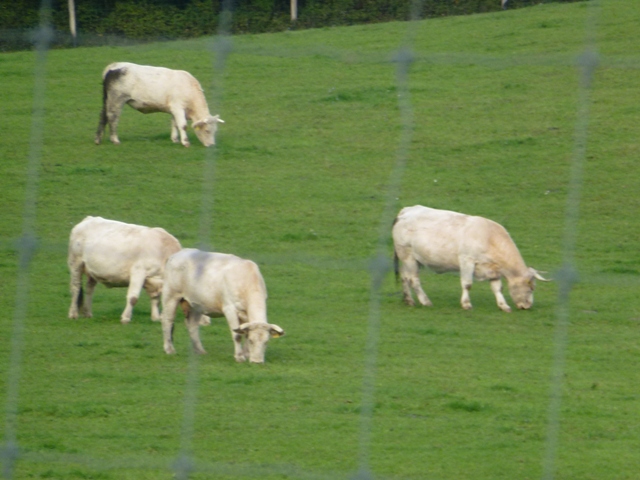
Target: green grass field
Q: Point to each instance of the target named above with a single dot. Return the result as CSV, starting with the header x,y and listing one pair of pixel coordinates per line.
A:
x,y
321,141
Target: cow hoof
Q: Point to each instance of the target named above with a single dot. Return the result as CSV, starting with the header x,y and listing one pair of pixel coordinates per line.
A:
x,y
125,321
467,306
506,309
240,358
170,350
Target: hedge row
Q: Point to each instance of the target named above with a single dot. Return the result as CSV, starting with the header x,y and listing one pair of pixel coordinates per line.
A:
x,y
153,19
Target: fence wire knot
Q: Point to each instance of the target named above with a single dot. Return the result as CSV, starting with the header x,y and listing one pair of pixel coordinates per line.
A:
x,y
404,56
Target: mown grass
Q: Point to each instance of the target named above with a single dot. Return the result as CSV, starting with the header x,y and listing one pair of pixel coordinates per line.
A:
x,y
299,181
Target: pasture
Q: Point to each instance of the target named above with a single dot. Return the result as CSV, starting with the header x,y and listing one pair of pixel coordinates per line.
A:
x,y
325,140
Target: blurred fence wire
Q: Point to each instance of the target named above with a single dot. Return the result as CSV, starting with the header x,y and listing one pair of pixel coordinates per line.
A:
x,y
567,276
27,246
184,464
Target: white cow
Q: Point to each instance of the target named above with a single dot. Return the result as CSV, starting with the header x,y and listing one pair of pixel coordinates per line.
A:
x,y
474,246
218,284
118,254
156,89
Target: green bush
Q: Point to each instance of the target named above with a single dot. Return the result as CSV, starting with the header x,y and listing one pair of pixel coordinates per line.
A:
x,y
200,18
18,14
143,20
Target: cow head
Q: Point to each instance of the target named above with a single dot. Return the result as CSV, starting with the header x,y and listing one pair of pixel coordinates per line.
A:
x,y
206,129
258,334
521,288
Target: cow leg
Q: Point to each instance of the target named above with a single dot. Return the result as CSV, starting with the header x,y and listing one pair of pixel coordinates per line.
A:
x,y
192,322
87,307
113,118
76,290
203,320
133,293
169,306
496,287
101,124
466,280
179,126
154,294
422,297
410,273
175,132
407,272
112,110
231,314
155,306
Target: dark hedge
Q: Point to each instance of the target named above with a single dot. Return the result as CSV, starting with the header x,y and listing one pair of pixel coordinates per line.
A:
x,y
104,20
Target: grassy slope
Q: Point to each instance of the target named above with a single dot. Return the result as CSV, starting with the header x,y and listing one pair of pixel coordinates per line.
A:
x,y
301,174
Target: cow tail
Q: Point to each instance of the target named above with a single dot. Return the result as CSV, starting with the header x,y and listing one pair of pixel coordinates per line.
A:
x,y
396,265
103,113
80,299
109,78
396,262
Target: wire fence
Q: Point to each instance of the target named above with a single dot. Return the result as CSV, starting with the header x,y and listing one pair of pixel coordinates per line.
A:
x,y
185,464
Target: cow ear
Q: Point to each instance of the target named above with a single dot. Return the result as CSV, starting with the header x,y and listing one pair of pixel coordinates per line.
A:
x,y
276,331
198,125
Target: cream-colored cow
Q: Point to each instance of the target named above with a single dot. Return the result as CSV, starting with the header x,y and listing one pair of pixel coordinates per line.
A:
x,y
117,254
156,89
474,246
218,284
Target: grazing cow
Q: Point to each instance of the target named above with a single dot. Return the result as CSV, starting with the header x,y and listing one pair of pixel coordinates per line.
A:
x,y
474,246
118,254
156,89
219,285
